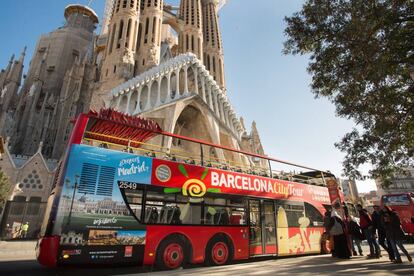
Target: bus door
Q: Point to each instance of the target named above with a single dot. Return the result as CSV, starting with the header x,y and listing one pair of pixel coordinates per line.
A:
x,y
262,227
269,227
255,228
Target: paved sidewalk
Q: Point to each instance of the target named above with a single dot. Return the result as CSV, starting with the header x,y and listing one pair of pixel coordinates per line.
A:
x,y
17,250
18,258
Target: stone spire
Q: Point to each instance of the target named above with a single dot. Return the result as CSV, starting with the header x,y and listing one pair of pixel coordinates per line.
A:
x,y
17,70
149,35
118,65
4,73
191,37
213,48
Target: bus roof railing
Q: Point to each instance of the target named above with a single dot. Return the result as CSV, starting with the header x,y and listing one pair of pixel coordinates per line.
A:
x,y
151,126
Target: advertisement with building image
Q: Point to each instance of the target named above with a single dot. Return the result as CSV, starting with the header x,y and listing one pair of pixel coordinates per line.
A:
x,y
92,210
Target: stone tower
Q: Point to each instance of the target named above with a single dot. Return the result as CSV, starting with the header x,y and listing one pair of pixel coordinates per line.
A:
x,y
213,47
10,80
41,94
191,37
118,65
149,35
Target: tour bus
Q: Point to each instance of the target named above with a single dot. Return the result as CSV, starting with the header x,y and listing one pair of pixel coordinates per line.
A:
x,y
403,204
121,196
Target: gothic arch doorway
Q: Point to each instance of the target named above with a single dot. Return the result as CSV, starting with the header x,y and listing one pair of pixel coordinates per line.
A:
x,y
193,123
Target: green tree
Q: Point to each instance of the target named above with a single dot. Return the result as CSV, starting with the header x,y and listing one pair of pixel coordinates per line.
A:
x,y
4,189
361,54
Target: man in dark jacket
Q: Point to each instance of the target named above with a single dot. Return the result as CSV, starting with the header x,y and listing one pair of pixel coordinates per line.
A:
x,y
367,227
379,228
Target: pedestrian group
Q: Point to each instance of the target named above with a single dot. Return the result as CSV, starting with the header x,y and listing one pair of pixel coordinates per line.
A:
x,y
380,228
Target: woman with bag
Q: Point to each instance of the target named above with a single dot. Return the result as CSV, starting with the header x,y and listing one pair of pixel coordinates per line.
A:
x,y
356,235
394,233
337,230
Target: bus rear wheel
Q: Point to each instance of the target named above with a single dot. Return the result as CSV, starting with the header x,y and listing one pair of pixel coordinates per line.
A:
x,y
219,251
171,253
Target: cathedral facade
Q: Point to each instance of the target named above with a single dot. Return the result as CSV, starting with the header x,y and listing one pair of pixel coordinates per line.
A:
x,y
150,59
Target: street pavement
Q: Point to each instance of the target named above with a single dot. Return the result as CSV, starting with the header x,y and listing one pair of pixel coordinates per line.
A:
x,y
21,261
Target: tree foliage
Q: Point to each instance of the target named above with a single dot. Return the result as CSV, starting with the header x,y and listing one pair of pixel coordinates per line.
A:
x,y
4,188
361,53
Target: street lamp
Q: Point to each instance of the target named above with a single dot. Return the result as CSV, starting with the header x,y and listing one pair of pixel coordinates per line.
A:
x,y
67,181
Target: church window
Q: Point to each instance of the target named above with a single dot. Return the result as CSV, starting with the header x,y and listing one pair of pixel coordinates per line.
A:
x,y
106,73
214,66
149,3
40,187
131,4
128,32
21,185
155,3
192,43
118,3
111,42
135,36
19,198
27,186
186,43
154,26
34,186
208,62
124,4
159,34
114,69
146,31
139,36
121,28
143,62
38,181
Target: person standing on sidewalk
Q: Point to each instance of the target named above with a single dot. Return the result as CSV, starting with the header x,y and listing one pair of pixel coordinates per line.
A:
x,y
337,230
367,228
25,229
356,235
379,228
394,233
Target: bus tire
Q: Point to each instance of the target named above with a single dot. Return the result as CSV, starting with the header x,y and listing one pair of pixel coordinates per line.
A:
x,y
172,253
219,251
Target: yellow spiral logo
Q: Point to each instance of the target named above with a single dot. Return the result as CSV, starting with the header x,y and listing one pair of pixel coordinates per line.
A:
x,y
194,188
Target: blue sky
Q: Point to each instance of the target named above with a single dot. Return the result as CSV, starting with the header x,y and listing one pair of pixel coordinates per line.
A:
x,y
263,84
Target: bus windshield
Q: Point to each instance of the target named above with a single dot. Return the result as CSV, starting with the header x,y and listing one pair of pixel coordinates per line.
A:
x,y
395,200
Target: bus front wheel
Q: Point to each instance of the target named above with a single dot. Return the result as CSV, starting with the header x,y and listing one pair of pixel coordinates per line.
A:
x,y
219,251
171,253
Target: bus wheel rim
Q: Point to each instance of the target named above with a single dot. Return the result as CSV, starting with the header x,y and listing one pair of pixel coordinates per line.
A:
x,y
173,255
220,253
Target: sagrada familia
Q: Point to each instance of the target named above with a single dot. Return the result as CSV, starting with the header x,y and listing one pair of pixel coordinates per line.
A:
x,y
150,59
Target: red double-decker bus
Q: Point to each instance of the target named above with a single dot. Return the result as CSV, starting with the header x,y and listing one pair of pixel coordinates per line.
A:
x,y
120,196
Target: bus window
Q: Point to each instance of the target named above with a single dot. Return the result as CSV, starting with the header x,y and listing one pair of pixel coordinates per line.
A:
x,y
293,213
315,217
134,200
221,211
161,208
396,200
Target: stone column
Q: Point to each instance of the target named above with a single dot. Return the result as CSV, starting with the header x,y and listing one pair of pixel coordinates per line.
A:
x,y
138,109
